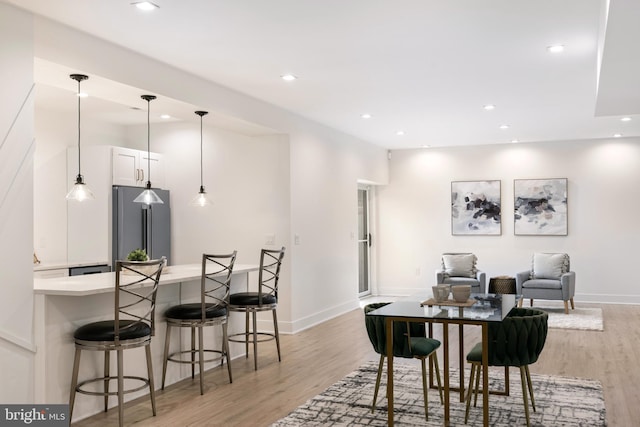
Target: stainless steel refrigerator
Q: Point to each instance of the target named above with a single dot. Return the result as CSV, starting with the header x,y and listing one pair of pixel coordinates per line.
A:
x,y
140,226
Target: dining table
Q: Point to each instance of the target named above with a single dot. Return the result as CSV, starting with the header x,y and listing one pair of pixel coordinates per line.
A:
x,y
480,309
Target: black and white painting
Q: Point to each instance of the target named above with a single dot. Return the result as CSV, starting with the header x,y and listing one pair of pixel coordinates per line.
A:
x,y
475,208
540,206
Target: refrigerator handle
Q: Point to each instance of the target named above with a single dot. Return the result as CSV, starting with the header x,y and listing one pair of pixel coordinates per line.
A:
x,y
145,229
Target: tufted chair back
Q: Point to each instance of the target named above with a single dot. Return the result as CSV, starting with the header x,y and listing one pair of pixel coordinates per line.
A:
x,y
519,338
378,335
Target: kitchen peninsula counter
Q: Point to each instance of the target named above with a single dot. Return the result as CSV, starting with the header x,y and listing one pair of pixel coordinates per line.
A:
x,y
63,304
105,282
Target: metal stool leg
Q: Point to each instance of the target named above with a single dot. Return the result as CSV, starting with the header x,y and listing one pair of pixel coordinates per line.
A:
x,y
193,352
277,335
120,388
255,341
74,381
200,358
225,346
107,366
165,359
152,389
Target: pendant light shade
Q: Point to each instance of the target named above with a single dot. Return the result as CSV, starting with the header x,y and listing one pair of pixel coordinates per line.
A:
x,y
148,196
80,190
201,198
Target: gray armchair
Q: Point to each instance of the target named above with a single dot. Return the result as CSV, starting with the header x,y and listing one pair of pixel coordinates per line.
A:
x,y
460,269
550,278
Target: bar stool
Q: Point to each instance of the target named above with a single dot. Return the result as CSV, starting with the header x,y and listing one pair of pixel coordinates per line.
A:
x,y
215,285
265,299
133,326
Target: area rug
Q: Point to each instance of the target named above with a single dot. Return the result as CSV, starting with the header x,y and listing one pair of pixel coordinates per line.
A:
x,y
582,318
560,401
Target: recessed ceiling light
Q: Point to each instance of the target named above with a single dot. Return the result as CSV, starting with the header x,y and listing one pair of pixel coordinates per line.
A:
x,y
617,135
515,141
556,48
489,107
503,127
288,77
400,133
366,116
426,146
145,5
82,94
625,119
165,116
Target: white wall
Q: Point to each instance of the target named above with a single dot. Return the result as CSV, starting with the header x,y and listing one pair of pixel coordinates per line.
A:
x,y
603,177
16,206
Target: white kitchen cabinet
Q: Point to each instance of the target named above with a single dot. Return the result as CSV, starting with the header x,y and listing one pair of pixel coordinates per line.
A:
x,y
131,167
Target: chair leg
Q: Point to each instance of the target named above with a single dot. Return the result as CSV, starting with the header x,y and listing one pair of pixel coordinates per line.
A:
x,y
375,392
469,391
165,359
275,331
225,349
425,388
520,303
531,302
107,365
573,307
506,380
193,352
200,358
525,394
477,389
120,389
434,356
152,388
74,381
255,340
530,385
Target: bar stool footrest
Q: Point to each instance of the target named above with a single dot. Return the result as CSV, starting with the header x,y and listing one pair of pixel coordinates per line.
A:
x,y
172,357
248,336
79,389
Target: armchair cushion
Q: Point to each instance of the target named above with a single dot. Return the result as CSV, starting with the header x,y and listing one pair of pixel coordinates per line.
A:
x,y
459,265
549,266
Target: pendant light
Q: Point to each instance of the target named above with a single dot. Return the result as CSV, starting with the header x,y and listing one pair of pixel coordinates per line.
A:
x,y
80,191
148,196
201,198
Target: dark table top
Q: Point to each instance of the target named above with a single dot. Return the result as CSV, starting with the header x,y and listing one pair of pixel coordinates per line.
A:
x,y
487,308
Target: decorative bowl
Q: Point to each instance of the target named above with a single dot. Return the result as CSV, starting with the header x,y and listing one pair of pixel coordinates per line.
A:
x,y
441,292
461,293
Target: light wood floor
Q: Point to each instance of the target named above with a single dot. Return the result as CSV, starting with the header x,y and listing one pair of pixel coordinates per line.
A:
x,y
316,358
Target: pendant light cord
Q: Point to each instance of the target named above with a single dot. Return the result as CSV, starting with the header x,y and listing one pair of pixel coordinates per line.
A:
x,y
148,98
201,179
149,143
79,176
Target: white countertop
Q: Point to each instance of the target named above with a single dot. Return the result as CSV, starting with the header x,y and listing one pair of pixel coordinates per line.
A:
x,y
105,282
64,265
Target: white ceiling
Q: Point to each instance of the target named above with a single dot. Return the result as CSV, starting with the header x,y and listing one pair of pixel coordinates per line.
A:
x,y
421,66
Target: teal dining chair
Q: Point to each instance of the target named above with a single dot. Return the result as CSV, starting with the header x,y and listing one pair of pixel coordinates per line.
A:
x,y
409,341
516,341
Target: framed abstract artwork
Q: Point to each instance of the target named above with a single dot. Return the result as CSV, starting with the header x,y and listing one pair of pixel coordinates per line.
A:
x,y
540,207
475,208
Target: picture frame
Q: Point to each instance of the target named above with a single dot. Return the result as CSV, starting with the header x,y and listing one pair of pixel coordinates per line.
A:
x,y
540,207
476,208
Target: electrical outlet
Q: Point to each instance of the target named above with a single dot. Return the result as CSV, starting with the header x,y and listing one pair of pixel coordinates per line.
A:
x,y
296,239
270,239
